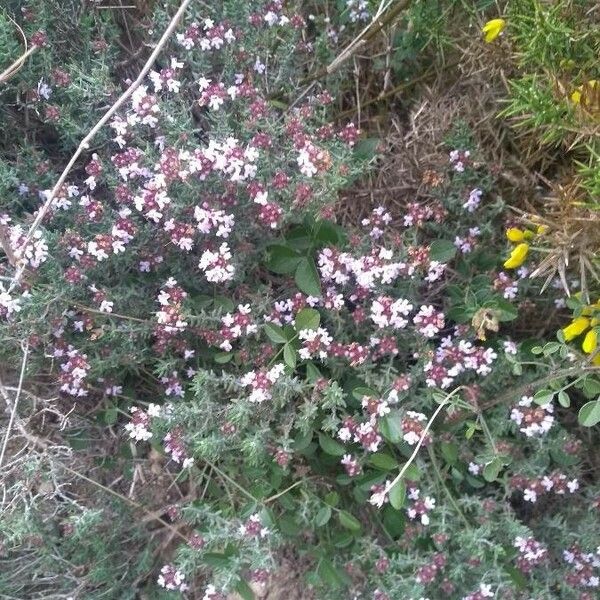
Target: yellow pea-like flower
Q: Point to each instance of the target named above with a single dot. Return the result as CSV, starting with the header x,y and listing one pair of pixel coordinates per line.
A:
x,y
515,235
575,328
492,29
517,256
590,342
576,95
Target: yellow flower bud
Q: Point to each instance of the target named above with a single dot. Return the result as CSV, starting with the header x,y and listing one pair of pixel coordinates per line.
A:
x,y
590,342
517,256
575,328
515,235
542,229
492,29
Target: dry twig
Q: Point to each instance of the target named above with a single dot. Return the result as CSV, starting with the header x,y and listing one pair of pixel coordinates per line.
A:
x,y
85,142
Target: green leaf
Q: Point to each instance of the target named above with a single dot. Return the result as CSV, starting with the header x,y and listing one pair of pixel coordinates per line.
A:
x,y
412,472
110,415
302,441
307,277
342,539
393,521
361,391
275,333
442,250
282,259
471,428
506,310
225,304
517,369
459,314
589,413
492,469
289,356
299,237
397,494
543,397
323,516
383,461
330,446
333,498
564,399
366,149
591,387
288,525
217,559
348,521
449,452
368,479
562,458
222,358
329,575
307,318
517,577
329,233
244,590
312,372
390,428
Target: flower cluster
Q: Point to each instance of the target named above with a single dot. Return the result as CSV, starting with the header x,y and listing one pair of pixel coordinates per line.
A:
x,y
140,423
419,507
172,578
532,420
531,553
261,382
585,567
534,487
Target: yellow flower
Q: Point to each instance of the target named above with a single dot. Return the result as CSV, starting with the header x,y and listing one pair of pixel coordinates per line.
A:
x,y
542,229
575,328
576,95
590,342
517,256
515,235
492,29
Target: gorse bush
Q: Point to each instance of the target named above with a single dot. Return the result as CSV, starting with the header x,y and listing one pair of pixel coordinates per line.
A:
x,y
372,398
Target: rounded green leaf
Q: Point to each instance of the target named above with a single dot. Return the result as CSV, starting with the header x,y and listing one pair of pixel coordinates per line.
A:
x,y
222,358
330,446
492,469
348,521
442,250
383,461
282,259
307,277
307,318
323,516
289,356
275,333
543,397
589,413
397,494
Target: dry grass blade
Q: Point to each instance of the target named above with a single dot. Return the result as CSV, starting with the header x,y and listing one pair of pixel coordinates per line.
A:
x,y
15,403
16,66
